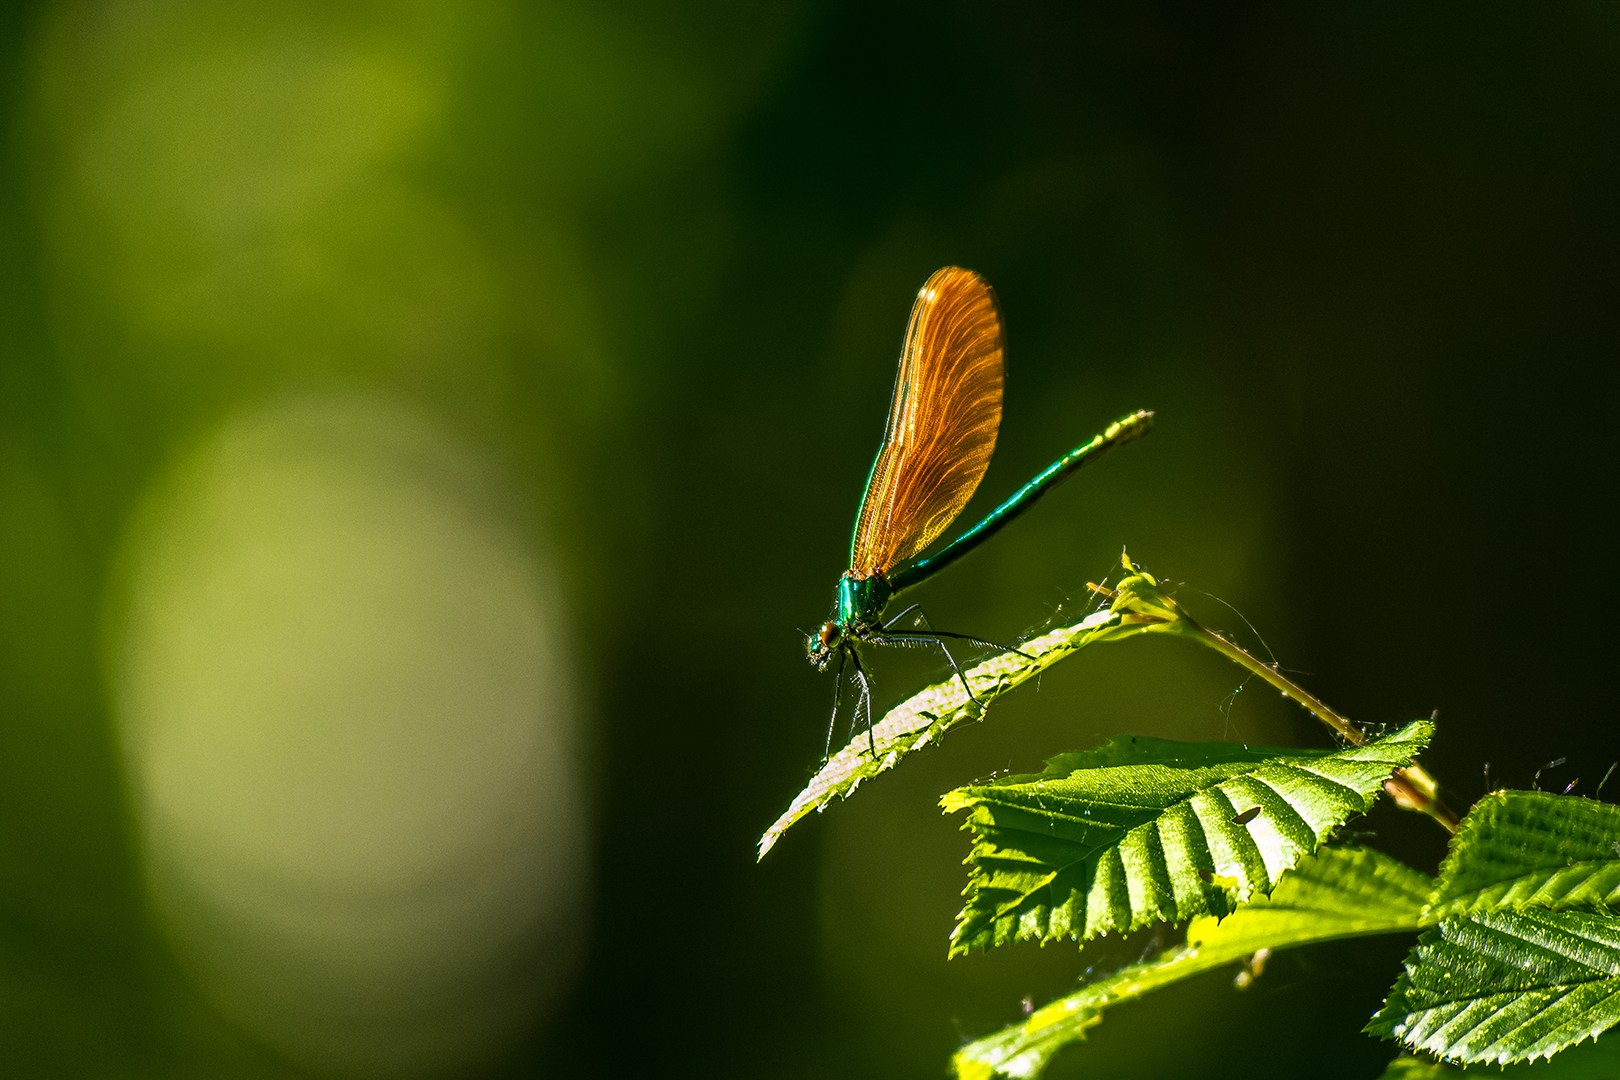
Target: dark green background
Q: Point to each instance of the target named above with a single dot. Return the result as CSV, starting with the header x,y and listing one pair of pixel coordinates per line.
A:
x,y
1363,262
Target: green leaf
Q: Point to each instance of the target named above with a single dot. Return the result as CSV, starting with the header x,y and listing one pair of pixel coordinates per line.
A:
x,y
1143,829
1339,892
1511,973
1506,986
1596,1060
1519,849
1138,606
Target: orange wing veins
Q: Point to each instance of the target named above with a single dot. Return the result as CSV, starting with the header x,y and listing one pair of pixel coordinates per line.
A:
x,y
942,422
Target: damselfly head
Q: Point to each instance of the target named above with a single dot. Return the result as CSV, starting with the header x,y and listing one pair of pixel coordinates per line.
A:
x,y
821,645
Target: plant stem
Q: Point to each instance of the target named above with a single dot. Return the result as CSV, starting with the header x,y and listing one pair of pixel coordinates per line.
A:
x,y
1412,787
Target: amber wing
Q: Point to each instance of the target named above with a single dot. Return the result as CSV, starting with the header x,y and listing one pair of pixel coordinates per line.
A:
x,y
942,422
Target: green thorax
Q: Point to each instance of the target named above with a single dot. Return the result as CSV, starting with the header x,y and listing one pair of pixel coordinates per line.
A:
x,y
861,601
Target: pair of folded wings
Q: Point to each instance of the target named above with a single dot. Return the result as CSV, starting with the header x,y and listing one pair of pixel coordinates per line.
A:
x,y
942,422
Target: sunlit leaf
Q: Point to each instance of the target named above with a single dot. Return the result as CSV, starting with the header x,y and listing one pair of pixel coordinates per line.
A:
x,y
1144,829
1137,606
1339,892
1519,849
1505,986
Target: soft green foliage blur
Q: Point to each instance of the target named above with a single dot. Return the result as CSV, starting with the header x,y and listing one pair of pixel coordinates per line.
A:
x,y
651,268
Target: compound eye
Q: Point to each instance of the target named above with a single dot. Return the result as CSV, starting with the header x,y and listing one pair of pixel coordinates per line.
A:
x,y
829,634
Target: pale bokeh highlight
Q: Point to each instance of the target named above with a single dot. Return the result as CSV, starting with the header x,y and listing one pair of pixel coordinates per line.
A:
x,y
343,697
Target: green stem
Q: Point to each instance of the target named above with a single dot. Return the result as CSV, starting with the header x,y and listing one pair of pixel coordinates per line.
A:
x,y
1290,689
1412,787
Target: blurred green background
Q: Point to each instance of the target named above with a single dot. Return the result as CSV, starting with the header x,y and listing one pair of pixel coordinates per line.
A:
x,y
426,431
